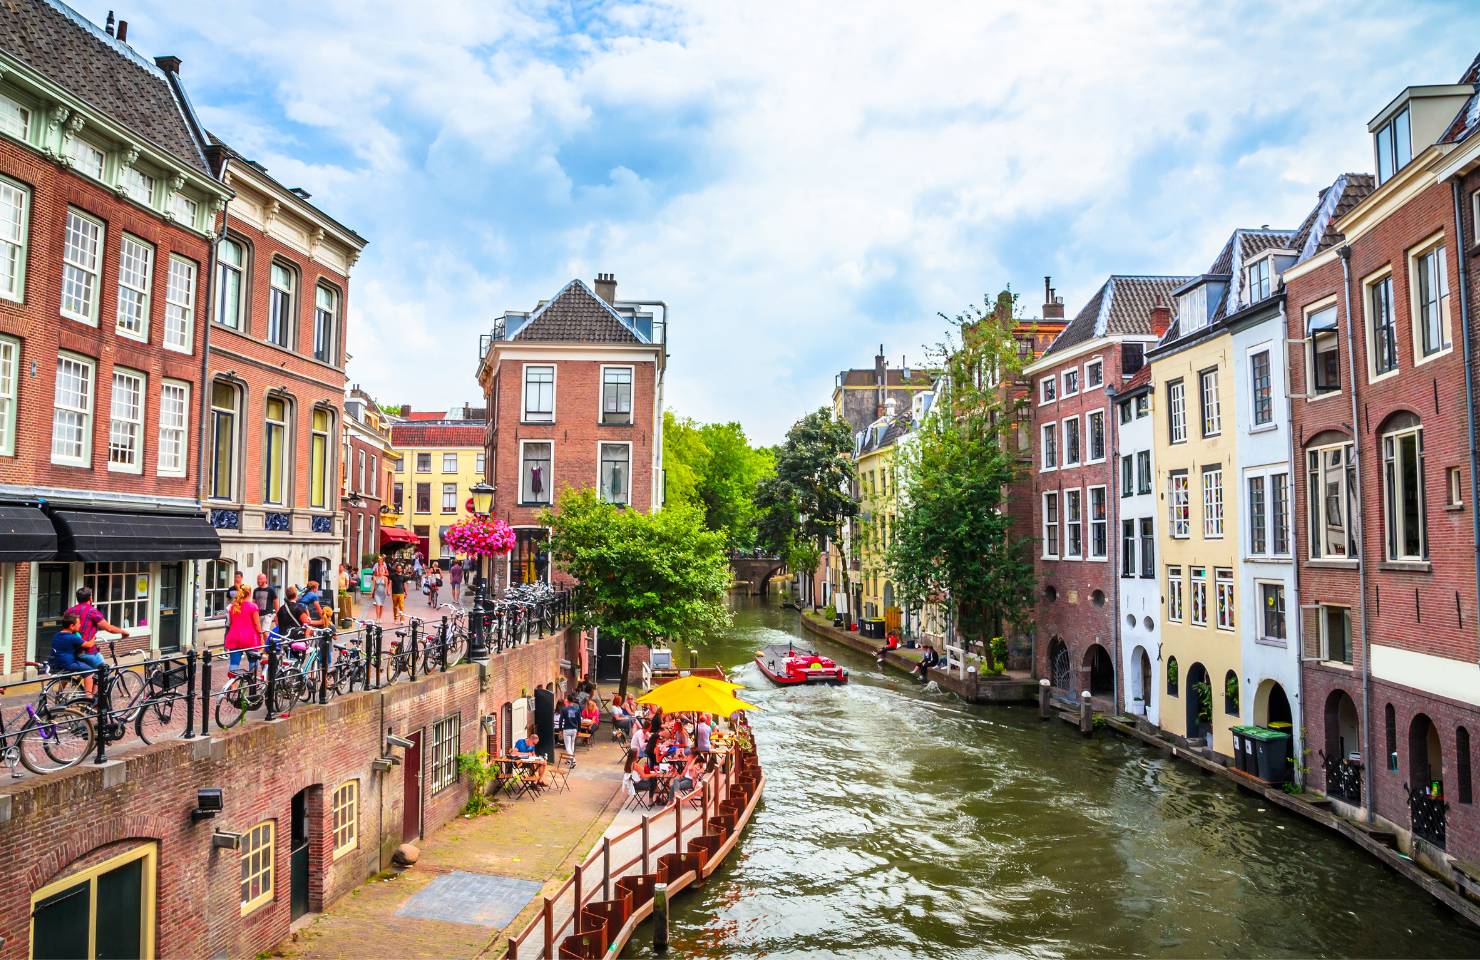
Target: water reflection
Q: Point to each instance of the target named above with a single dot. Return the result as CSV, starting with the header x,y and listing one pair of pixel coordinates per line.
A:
x,y
898,822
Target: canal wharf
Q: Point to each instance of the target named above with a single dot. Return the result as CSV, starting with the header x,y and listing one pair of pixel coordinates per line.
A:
x,y
1010,687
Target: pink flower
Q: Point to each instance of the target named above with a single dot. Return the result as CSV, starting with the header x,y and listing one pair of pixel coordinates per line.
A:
x,y
480,537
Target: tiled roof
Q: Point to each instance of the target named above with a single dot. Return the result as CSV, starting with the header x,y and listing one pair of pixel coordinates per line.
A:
x,y
878,436
1141,379
1318,232
462,434
67,49
577,315
1121,307
893,377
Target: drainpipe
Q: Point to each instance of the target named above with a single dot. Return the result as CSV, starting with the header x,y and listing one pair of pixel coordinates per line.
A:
x,y
1345,252
1113,535
1464,323
203,404
1291,457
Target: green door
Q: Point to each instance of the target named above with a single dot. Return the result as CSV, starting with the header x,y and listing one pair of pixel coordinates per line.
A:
x,y
100,917
52,600
168,625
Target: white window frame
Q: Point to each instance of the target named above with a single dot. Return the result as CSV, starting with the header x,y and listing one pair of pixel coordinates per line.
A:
x,y
524,391
1395,527
174,434
1265,350
132,179
137,289
238,319
1176,594
1319,478
1071,379
1089,419
76,150
449,456
1369,323
1210,407
1212,501
285,293
449,498
1197,578
1103,522
1322,619
631,394
326,322
1098,364
549,481
16,118
1075,496
1321,306
91,367
1048,443
1264,266
1259,588
15,240
1079,443
1048,389
1177,410
179,304
130,430
1179,527
185,210
344,811
10,366
1436,246
1224,598
92,273
600,493
1051,538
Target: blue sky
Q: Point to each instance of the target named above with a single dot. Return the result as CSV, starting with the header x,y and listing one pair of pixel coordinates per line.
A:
x,y
800,181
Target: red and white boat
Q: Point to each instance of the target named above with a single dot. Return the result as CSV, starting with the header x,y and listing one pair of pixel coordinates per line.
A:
x,y
791,667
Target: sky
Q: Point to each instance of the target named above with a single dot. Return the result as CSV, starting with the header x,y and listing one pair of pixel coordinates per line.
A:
x,y
801,182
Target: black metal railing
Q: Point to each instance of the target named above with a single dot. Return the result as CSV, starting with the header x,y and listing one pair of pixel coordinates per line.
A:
x,y
1427,815
1343,779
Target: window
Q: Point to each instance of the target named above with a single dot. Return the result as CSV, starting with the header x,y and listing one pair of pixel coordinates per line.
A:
x,y
1073,525
1048,389
179,305
1148,549
1261,387
1199,576
1127,412
1258,518
1331,490
1050,446
1051,525
1096,429
274,451
1099,524
15,202
1071,442
1323,350
216,588
1171,676
1403,501
1336,634
82,258
374,476
71,424
1223,588
10,356
1127,475
174,406
344,809
1382,338
1212,413
135,269
360,463
257,864
1258,276
449,463
1390,725
539,394
139,186
15,119
1462,765
446,745
120,591
1452,483
1430,301
1177,411
449,498
423,463
1071,382
325,323
535,472
1094,374
318,460
1279,514
1143,472
615,473
480,465
224,398
1179,504
398,496
1394,145
423,498
280,305
1127,548
1272,611
1212,496
86,157
184,209
104,910
126,421
231,265
1174,594
616,394
1230,693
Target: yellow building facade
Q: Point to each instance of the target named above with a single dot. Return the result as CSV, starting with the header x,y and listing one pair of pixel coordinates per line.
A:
x,y
1195,435
440,461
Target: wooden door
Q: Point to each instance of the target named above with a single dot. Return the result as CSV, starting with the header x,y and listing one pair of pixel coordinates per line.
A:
x,y
411,784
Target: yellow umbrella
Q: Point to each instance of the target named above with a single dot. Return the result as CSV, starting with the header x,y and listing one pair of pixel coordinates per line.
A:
x,y
696,695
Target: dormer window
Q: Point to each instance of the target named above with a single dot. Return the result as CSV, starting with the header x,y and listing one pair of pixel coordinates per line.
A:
x,y
15,118
1192,309
1394,143
1258,277
86,157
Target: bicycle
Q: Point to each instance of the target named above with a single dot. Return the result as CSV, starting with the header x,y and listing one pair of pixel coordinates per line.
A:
x,y
246,691
50,738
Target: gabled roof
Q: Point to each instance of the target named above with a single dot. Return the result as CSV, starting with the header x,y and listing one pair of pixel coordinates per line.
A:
x,y
1318,231
467,433
1121,307
882,433
577,315
66,48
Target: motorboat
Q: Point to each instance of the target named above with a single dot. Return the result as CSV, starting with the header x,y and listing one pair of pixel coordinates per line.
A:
x,y
791,666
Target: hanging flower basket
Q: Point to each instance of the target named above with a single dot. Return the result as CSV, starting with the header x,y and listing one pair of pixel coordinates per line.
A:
x,y
480,537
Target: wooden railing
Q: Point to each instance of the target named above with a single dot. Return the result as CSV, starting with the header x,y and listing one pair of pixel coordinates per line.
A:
x,y
636,855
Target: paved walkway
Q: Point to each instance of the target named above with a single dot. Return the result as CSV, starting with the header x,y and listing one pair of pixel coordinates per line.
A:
x,y
537,840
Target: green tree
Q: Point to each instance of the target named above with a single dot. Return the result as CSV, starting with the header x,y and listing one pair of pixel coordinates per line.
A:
x,y
713,467
953,540
640,577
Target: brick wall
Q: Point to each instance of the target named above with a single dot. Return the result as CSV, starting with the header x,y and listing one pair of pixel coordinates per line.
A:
x,y
55,826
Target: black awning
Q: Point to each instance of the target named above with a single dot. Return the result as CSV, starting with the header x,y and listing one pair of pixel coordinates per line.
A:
x,y
26,534
99,536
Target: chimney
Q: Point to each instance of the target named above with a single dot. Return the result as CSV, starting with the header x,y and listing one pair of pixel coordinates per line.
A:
x,y
891,407
881,381
606,287
109,25
1161,317
123,31
405,409
1053,304
168,64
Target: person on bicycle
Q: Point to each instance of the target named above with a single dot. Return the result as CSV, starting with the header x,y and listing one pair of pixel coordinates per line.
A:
x,y
68,654
91,617
434,583
292,619
243,631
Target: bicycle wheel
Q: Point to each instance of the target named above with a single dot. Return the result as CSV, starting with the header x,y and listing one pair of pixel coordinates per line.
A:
x,y
234,703
126,693
457,647
161,718
55,741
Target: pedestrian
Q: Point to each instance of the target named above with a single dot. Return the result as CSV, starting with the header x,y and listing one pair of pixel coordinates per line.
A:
x,y
398,578
265,596
243,631
434,584
380,585
417,570
570,725
456,576
346,596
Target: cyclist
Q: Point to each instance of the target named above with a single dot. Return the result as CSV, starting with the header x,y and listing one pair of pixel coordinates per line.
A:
x,y
434,583
68,653
91,617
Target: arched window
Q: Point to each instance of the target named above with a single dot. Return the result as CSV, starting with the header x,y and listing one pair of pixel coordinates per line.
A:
x,y
1172,676
1230,693
276,569
318,459
1403,510
225,422
282,293
325,323
277,438
231,273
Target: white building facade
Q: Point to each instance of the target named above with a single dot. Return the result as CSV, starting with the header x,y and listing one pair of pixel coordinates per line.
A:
x,y
1140,594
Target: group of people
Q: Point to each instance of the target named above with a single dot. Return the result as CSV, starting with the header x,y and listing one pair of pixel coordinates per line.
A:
x,y
668,750
74,647
390,577
266,614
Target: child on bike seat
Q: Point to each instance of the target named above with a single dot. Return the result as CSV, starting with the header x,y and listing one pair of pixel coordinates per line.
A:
x,y
69,652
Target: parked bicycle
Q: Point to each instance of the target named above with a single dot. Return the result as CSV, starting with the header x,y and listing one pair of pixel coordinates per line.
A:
x,y
42,736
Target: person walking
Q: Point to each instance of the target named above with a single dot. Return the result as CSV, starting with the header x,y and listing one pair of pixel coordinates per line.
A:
x,y
380,584
456,576
345,595
417,570
398,577
570,725
243,631
265,596
434,584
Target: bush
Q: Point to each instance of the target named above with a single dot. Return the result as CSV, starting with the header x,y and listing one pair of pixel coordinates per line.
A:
x,y
830,611
480,772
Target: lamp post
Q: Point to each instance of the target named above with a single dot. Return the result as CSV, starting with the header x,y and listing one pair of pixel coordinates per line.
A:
x,y
478,639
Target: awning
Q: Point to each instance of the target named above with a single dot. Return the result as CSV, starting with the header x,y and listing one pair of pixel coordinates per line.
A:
x,y
26,534
100,537
397,535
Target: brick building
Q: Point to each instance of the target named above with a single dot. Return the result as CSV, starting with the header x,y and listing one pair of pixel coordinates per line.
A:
x,y
1073,478
367,475
440,456
1385,520
106,204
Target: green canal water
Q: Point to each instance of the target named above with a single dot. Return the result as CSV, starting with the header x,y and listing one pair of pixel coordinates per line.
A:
x,y
900,823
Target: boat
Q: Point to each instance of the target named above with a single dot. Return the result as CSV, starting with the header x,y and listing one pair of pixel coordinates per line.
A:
x,y
792,666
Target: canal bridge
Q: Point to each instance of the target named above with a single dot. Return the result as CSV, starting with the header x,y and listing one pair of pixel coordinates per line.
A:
x,y
754,571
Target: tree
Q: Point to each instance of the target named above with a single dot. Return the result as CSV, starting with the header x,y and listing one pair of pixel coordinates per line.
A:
x,y
953,539
640,577
713,467
810,498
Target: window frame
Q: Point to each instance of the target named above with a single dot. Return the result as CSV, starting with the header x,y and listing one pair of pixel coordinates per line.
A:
x,y
1197,580
1176,594
446,743
1315,515
1090,418
281,497
1313,391
416,505
1210,405
1128,564
524,371
10,375
1261,588
344,815
1264,265
288,297
1145,478
1437,247
326,323
233,443
601,411
1098,365
1394,520
449,498
1256,515
1177,410
1078,442
1071,383
171,303
1181,523
238,321
320,457
1225,598
1048,389
95,273
1323,613
1370,284
1051,496
1266,396
1049,444
1146,530
84,459
22,243
75,164
1073,527
601,466
1213,503
183,429
1102,524
550,481
145,850
141,394
268,872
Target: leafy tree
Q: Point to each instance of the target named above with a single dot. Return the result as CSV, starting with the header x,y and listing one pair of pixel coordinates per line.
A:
x,y
640,577
953,540
713,467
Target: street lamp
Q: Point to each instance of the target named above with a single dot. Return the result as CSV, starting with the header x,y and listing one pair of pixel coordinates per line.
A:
x,y
478,640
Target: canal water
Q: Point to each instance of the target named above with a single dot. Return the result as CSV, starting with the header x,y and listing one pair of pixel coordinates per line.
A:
x,y
898,823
